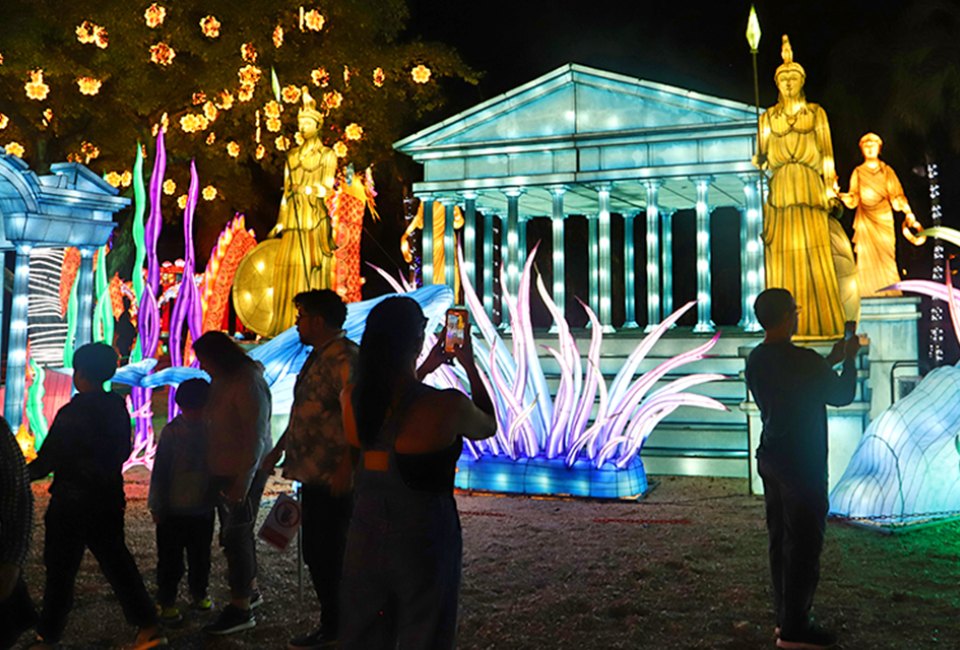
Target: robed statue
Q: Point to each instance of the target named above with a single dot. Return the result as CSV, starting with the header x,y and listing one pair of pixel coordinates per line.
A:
x,y
305,258
875,192
807,251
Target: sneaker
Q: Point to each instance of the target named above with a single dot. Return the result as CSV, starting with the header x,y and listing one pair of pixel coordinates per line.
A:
x,y
169,615
256,599
813,638
146,641
316,640
232,619
203,604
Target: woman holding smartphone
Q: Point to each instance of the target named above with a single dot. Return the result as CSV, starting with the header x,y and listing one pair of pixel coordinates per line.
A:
x,y
401,573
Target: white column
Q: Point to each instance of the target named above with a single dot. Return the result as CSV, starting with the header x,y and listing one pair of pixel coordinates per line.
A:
x,y
559,270
17,344
704,307
512,235
470,237
604,270
85,297
593,262
751,252
666,251
489,272
629,281
449,243
654,315
426,241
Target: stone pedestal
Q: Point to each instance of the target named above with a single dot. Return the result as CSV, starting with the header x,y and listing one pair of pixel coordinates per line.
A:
x,y
891,325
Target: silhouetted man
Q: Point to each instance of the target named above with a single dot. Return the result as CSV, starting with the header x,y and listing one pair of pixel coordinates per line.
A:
x,y
791,386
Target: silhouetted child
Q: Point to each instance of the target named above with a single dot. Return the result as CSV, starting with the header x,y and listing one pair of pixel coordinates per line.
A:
x,y
85,449
182,502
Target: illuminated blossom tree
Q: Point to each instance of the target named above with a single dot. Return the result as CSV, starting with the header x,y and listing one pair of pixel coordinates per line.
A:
x,y
86,80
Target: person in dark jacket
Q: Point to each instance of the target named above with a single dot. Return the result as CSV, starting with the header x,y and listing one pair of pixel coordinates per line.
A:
x,y
17,614
85,449
181,501
792,386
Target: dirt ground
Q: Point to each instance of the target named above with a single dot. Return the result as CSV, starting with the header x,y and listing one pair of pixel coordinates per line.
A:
x,y
683,568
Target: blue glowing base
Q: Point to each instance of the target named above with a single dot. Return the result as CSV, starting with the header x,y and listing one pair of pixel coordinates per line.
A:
x,y
540,476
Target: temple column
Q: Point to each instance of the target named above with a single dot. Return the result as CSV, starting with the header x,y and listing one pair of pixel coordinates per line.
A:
x,y
449,243
512,233
704,324
654,314
522,244
666,252
489,272
470,237
426,241
751,252
17,344
559,270
604,271
593,263
629,281
85,298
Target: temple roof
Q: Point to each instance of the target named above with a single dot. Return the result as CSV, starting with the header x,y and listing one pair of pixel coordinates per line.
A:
x,y
584,128
70,206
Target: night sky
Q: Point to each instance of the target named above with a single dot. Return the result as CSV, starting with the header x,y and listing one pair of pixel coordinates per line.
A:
x,y
845,46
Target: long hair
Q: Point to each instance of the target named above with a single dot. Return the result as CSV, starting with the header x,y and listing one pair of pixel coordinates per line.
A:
x,y
222,351
392,339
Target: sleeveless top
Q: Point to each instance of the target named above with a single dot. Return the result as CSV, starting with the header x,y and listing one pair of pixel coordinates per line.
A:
x,y
428,472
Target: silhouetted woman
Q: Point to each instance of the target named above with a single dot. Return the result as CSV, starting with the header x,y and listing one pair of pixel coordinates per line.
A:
x,y
401,573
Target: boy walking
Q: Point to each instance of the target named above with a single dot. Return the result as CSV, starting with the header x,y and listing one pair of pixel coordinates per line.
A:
x,y
182,504
85,449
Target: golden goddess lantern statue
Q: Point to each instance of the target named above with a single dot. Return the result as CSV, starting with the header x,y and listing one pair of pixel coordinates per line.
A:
x,y
807,251
875,192
299,254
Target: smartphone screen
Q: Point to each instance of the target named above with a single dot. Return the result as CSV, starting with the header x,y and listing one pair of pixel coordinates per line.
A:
x,y
456,325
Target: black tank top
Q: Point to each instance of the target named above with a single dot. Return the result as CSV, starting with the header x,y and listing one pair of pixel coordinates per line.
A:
x,y
430,472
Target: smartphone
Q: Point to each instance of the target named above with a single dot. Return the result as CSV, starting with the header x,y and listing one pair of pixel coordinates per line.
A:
x,y
849,330
456,329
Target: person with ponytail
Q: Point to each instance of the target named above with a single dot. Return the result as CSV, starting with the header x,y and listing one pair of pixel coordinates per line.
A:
x,y
401,572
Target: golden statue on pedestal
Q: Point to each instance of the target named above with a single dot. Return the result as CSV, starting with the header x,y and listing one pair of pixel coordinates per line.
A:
x,y
302,257
806,250
875,192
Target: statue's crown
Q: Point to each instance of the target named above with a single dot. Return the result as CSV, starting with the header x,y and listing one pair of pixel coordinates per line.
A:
x,y
309,108
788,65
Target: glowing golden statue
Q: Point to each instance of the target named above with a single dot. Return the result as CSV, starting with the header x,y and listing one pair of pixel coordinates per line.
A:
x,y
305,257
875,192
806,250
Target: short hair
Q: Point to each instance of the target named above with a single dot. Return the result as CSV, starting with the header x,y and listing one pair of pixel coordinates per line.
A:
x,y
192,394
96,361
323,302
222,351
772,306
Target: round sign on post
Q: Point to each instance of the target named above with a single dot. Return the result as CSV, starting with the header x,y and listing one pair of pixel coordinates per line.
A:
x,y
281,523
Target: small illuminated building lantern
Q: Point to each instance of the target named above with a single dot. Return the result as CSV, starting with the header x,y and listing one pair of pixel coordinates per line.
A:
x,y
70,206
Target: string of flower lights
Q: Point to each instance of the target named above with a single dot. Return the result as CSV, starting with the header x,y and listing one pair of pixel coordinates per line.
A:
x,y
167,48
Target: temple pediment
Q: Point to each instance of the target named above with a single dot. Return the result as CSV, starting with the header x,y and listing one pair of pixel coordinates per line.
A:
x,y
577,101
